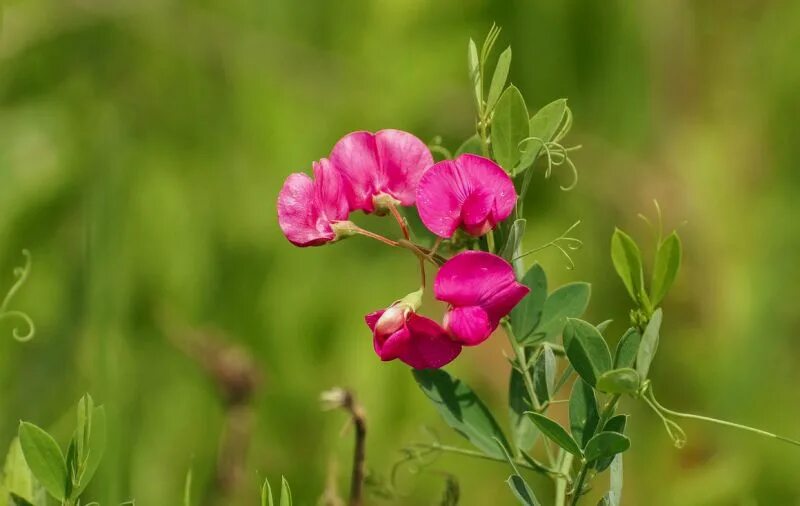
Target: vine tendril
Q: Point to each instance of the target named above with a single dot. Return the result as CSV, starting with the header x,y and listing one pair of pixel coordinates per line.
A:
x,y
21,275
569,243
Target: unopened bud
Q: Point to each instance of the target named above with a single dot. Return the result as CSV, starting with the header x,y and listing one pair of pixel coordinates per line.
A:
x,y
343,229
382,203
396,315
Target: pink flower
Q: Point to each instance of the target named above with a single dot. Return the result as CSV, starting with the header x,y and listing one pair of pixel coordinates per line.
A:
x,y
418,341
481,289
382,166
471,192
308,210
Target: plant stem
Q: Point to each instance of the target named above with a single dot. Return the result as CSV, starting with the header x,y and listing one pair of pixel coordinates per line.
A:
x,y
649,394
531,465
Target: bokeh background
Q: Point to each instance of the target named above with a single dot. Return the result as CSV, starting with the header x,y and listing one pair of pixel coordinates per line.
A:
x,y
143,143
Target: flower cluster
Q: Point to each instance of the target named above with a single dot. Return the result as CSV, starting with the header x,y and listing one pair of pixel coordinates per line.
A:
x,y
377,173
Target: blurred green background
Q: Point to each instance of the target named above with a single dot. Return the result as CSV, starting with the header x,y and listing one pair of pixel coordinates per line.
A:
x,y
142,146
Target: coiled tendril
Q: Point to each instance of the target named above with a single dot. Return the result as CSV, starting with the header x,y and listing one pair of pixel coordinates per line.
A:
x,y
21,275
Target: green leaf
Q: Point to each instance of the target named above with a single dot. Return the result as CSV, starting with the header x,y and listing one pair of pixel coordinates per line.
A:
x,y
17,477
627,261
526,315
603,326
617,424
266,494
665,268
523,431
514,240
543,125
606,444
555,433
187,489
568,301
521,490
15,500
452,491
286,493
44,458
544,374
586,350
499,78
649,344
462,409
472,145
509,127
619,381
475,73
627,348
615,481
96,447
583,414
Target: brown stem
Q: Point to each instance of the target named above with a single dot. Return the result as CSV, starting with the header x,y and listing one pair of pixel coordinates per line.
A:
x,y
359,452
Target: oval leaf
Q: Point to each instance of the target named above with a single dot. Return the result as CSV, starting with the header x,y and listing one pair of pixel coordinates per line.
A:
x,y
617,424
583,414
606,444
514,240
628,263
97,447
543,125
521,490
45,459
544,374
586,350
555,433
509,128
499,78
526,315
462,410
627,348
649,344
665,269
619,381
475,73
472,145
568,301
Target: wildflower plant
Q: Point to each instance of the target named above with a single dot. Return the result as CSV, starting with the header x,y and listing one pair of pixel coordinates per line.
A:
x,y
464,217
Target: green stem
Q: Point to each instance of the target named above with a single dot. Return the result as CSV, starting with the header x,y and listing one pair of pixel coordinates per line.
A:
x,y
565,460
576,491
725,423
530,464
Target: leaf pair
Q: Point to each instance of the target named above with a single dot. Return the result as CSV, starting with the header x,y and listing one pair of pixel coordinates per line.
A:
x,y
602,445
65,478
541,317
285,497
627,259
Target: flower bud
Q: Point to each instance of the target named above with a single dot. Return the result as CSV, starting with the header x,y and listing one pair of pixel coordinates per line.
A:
x,y
396,315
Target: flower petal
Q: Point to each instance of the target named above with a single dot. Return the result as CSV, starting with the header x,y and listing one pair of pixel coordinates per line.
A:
x,y
478,278
470,191
430,346
356,157
393,346
470,325
299,215
403,159
330,191
440,195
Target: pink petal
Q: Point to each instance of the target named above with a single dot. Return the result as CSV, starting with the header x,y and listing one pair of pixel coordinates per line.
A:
x,y
372,318
299,215
393,346
356,157
403,160
478,278
430,346
470,325
390,161
440,195
470,191
330,191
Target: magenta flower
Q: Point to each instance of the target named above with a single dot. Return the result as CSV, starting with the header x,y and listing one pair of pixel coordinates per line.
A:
x,y
418,341
386,165
481,289
471,192
308,210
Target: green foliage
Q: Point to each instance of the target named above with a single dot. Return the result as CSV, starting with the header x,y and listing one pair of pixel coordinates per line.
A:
x,y
555,433
523,431
472,145
526,315
66,477
627,261
649,344
515,235
522,491
583,414
509,128
619,381
543,127
267,497
568,301
499,79
665,268
462,410
18,485
586,349
617,424
605,444
627,348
